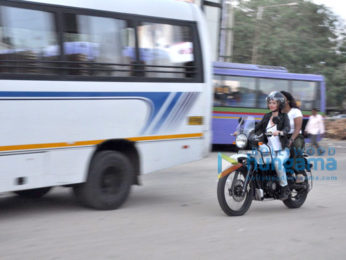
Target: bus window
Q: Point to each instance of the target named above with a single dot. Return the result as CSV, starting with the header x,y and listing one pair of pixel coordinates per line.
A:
x,y
25,36
168,45
98,46
305,93
234,91
221,92
268,85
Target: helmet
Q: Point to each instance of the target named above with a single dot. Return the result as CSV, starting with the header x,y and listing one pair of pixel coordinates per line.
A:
x,y
277,96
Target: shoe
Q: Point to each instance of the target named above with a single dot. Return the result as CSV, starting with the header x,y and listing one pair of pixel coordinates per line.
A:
x,y
284,193
300,178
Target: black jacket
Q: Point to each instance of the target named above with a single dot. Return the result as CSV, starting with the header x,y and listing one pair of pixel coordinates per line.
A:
x,y
283,125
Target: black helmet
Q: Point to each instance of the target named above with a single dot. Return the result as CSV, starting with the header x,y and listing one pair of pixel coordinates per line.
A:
x,y
278,97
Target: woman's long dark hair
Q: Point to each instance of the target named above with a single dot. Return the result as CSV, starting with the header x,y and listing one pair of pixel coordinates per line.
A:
x,y
291,101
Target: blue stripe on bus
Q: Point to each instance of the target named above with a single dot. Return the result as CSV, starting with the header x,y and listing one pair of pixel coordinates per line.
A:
x,y
157,99
167,112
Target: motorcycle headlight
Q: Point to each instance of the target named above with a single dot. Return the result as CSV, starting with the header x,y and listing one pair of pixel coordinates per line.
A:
x,y
241,141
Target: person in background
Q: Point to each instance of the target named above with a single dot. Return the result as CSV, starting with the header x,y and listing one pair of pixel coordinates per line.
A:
x,y
315,127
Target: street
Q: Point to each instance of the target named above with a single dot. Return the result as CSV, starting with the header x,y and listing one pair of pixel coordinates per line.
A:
x,y
175,215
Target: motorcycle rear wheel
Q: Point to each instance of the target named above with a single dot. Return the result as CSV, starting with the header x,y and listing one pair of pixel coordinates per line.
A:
x,y
297,196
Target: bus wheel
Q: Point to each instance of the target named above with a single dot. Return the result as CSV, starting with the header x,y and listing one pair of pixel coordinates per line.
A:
x,y
108,183
33,193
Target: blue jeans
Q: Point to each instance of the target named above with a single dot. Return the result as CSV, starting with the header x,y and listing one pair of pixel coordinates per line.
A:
x,y
279,158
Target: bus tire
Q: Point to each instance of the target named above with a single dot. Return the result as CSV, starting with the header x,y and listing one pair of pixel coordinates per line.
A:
x,y
108,183
33,193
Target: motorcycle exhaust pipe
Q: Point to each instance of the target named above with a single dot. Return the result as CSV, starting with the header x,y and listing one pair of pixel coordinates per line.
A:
x,y
259,194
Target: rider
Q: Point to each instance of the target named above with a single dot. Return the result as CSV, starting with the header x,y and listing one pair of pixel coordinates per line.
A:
x,y
278,124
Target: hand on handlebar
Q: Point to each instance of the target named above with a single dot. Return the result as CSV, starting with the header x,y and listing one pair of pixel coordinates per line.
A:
x,y
276,133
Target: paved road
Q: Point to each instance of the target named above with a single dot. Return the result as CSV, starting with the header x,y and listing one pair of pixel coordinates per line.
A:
x,y
175,215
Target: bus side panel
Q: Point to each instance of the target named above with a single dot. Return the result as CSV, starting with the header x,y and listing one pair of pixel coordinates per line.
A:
x,y
68,166
44,169
15,171
222,130
55,122
50,142
164,154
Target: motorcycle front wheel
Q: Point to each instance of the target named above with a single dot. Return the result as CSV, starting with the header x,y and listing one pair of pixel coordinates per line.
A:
x,y
229,193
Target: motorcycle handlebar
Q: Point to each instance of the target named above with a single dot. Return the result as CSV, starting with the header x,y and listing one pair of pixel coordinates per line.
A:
x,y
270,134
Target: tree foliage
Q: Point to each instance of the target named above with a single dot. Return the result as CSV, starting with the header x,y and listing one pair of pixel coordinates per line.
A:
x,y
306,38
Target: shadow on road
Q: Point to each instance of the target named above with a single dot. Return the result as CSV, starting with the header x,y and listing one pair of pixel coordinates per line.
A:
x,y
13,205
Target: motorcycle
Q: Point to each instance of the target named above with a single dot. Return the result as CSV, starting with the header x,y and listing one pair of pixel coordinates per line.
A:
x,y
253,176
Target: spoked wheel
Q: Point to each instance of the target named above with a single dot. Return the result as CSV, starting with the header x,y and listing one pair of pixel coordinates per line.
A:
x,y
298,195
230,194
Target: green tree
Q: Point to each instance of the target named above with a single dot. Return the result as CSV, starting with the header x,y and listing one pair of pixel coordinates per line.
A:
x,y
306,38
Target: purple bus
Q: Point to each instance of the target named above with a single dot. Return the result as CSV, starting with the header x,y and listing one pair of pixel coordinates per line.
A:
x,y
241,89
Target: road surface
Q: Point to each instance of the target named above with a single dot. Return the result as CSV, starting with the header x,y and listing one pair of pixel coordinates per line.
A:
x,y
175,215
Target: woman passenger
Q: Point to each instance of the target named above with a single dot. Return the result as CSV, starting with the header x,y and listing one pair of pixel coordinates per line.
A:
x,y
295,116
296,139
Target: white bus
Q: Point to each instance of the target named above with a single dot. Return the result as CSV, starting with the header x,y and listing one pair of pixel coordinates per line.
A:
x,y
95,93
